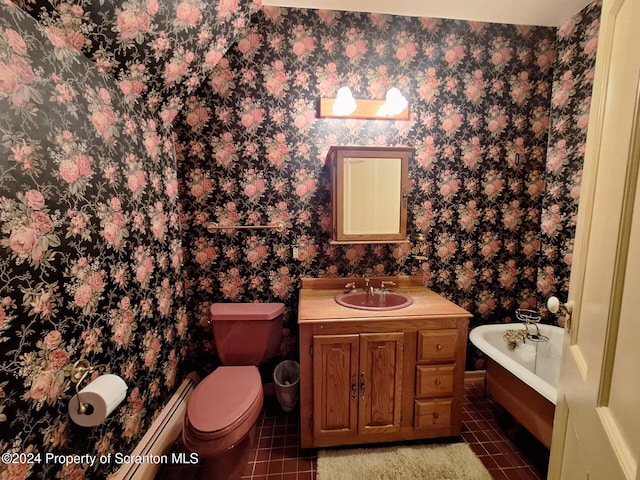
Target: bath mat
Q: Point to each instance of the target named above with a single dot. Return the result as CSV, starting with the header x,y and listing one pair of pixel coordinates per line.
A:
x,y
454,461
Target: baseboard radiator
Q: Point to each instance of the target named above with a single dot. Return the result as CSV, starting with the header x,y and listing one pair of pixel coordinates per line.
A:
x,y
162,434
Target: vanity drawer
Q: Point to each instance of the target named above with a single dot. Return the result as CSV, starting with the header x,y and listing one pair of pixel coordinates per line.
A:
x,y
434,380
432,413
437,345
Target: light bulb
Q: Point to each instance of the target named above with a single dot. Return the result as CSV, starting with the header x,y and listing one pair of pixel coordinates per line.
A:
x,y
394,102
345,103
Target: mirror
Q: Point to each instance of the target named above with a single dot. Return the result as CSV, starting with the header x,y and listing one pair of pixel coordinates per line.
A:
x,y
369,193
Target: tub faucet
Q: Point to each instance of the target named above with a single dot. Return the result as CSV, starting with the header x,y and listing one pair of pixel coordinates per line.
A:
x,y
536,337
514,338
531,317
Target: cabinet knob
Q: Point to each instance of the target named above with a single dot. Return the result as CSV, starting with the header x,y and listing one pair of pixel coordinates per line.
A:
x,y
439,347
435,416
438,382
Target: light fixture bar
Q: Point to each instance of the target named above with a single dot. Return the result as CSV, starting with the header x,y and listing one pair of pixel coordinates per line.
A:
x,y
365,109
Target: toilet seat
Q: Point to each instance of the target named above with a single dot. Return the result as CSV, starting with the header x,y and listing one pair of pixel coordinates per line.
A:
x,y
224,401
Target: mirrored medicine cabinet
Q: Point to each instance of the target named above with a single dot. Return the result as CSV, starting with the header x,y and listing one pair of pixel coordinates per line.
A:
x,y
369,188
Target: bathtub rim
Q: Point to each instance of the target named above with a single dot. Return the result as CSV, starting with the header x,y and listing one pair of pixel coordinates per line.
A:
x,y
476,336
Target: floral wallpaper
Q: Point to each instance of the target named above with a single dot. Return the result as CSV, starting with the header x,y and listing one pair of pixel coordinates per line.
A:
x,y
158,51
251,151
183,112
90,238
576,42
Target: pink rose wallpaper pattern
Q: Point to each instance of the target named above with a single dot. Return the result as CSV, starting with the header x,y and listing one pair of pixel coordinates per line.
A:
x,y
251,151
576,43
127,126
90,238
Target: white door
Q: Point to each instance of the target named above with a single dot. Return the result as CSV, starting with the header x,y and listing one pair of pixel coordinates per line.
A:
x,y
597,423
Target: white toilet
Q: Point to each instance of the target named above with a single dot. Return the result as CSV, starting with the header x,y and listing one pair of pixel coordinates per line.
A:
x,y
222,411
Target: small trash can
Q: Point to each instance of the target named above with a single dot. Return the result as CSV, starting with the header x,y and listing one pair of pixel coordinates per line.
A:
x,y
287,379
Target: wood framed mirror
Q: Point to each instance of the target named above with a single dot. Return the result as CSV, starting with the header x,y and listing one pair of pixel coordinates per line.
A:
x,y
369,187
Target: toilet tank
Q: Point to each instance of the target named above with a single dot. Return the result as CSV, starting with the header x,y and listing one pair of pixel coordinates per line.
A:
x,y
247,333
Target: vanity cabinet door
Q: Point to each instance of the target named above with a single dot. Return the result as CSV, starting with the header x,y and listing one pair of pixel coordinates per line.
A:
x,y
380,382
358,384
335,380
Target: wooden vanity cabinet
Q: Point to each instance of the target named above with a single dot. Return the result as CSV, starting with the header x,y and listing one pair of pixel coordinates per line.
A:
x,y
368,377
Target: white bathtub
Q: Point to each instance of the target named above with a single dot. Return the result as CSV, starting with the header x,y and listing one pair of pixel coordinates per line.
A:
x,y
524,380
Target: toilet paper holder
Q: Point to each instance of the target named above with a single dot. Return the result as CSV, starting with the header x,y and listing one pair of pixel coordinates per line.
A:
x,y
79,372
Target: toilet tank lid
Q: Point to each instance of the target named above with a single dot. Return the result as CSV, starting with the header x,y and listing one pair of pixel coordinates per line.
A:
x,y
246,311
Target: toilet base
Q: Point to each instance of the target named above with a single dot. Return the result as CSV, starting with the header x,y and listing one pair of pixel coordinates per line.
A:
x,y
232,464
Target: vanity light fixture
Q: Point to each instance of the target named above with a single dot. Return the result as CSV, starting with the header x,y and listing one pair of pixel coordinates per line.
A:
x,y
394,107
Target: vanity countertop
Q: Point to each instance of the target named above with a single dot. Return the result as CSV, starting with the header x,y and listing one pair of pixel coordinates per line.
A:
x,y
317,302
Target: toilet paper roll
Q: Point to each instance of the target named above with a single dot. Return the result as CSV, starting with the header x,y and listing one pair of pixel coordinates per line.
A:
x,y
102,396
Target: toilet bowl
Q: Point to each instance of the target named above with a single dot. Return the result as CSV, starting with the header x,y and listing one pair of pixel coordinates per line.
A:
x,y
221,415
223,409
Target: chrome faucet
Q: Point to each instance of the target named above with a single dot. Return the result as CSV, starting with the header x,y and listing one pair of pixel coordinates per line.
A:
x,y
351,286
368,288
531,318
536,337
383,285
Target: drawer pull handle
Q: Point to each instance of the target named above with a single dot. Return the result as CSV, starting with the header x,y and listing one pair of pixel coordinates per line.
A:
x,y
438,382
354,387
362,384
438,347
435,415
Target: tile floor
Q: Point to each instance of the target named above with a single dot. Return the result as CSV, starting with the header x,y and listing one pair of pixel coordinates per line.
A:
x,y
507,450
